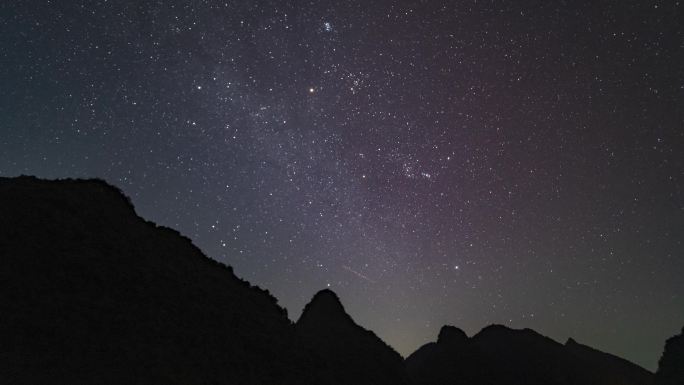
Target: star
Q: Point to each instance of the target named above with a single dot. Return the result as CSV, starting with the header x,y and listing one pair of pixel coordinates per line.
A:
x,y
385,139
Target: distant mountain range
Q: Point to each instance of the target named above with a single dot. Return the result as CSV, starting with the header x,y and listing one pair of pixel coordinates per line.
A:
x,y
503,356
90,293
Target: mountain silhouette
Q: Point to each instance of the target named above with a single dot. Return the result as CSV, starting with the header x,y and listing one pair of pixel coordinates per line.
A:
x,y
447,361
500,355
671,364
603,368
347,352
92,293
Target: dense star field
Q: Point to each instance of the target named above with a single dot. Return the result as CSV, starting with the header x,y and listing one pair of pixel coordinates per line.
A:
x,y
432,162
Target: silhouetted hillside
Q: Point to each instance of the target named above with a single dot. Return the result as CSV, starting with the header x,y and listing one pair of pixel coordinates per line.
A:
x,y
450,360
92,293
346,351
671,364
499,355
604,368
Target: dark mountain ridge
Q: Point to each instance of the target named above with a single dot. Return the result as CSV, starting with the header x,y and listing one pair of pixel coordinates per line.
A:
x,y
92,293
500,355
92,288
348,352
671,364
96,294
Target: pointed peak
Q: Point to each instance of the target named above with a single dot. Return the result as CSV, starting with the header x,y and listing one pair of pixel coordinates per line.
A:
x,y
326,294
326,298
324,304
451,334
570,342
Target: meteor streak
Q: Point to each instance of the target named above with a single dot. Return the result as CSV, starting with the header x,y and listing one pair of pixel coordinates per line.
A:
x,y
356,273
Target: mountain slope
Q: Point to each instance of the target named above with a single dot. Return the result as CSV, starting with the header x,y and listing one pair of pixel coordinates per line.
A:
x,y
450,360
348,353
499,355
92,293
671,364
604,368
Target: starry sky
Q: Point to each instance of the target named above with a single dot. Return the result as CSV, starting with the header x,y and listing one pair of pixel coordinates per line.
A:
x,y
432,162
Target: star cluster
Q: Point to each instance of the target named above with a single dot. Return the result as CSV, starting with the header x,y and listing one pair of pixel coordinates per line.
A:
x,y
433,162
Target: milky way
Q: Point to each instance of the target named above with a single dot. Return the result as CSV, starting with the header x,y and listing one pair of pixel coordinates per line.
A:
x,y
432,162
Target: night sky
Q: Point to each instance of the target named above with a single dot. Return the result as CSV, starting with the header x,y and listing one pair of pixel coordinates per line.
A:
x,y
432,162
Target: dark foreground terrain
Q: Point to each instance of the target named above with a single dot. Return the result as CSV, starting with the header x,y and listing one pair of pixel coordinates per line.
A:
x,y
90,293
